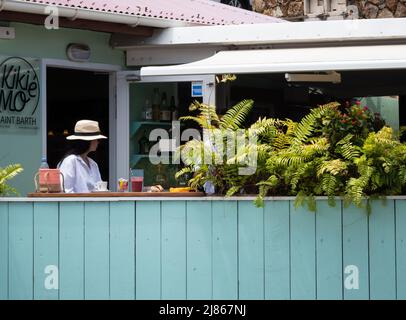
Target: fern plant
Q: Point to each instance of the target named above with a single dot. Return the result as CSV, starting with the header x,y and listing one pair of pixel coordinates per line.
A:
x,y
223,171
319,156
381,167
330,152
7,174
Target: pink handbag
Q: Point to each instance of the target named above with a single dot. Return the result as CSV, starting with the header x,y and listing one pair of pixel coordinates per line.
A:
x,y
49,180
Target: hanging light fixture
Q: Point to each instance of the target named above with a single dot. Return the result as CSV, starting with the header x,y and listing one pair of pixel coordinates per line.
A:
x,y
78,52
331,76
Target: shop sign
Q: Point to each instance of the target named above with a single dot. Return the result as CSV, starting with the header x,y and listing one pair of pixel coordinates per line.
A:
x,y
197,89
19,93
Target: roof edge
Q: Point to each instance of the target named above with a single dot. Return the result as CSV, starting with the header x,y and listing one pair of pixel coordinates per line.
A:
x,y
280,33
88,14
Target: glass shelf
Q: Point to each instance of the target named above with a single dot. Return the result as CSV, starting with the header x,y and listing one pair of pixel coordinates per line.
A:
x,y
137,157
136,125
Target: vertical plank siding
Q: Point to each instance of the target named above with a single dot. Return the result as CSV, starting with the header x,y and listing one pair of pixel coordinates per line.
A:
x,y
400,213
122,248
97,250
355,254
71,250
21,251
173,250
277,250
199,250
382,260
206,249
148,250
303,253
4,225
46,225
225,250
250,251
329,258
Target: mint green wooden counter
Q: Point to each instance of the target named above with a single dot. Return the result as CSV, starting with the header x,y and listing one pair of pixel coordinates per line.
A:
x,y
200,248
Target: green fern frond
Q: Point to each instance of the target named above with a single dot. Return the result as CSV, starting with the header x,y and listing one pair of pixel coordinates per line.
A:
x,y
202,122
259,201
9,172
6,174
207,117
233,190
300,199
305,127
290,126
329,184
236,115
311,203
262,192
272,181
347,149
183,171
355,190
316,146
334,167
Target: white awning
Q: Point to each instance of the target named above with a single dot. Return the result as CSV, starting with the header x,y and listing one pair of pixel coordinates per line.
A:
x,y
290,60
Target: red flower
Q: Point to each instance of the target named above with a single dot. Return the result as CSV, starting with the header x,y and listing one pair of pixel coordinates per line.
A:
x,y
358,102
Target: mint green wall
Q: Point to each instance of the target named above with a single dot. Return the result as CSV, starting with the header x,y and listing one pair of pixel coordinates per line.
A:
x,y
36,42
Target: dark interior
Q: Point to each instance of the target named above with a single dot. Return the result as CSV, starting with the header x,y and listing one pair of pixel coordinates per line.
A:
x,y
275,97
150,170
74,95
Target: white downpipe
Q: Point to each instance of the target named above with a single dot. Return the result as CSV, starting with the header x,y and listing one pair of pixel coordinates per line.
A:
x,y
79,13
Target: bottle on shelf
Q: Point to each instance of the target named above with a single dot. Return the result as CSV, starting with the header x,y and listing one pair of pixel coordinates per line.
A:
x,y
143,144
165,111
160,177
156,112
42,185
44,163
147,111
174,110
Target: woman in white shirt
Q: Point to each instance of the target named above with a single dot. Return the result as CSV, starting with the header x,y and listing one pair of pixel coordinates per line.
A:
x,y
80,172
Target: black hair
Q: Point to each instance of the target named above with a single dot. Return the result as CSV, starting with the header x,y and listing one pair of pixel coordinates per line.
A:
x,y
76,147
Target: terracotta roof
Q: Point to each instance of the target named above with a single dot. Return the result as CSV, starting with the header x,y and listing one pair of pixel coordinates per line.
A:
x,y
204,12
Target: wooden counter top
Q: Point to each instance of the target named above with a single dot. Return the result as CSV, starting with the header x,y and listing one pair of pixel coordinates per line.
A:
x,y
115,194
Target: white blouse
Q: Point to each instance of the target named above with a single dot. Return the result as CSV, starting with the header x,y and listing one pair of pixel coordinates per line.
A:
x,y
78,176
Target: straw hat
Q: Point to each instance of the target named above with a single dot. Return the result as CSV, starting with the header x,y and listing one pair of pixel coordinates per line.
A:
x,y
86,130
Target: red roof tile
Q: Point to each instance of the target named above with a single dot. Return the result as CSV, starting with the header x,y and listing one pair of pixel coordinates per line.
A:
x,y
205,12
